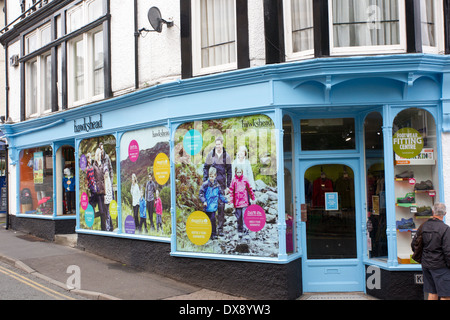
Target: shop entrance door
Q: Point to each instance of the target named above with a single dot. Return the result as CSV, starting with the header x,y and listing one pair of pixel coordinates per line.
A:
x,y
331,258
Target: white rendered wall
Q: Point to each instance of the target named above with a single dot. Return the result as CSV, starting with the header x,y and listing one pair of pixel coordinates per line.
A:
x,y
14,84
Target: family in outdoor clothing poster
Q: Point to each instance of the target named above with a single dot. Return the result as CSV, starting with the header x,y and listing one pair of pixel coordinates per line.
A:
x,y
145,183
226,186
98,181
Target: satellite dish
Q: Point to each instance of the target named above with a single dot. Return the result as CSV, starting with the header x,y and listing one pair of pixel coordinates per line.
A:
x,y
154,17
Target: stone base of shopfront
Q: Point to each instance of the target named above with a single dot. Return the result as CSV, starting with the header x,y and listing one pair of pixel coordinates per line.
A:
x,y
395,285
248,279
43,228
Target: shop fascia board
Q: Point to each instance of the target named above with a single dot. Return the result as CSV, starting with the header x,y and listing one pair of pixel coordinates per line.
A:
x,y
329,71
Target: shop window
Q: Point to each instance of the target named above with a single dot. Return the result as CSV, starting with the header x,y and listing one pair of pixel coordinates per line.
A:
x,y
416,175
226,187
65,177
327,134
214,36
98,184
298,16
36,181
367,26
145,182
289,185
375,187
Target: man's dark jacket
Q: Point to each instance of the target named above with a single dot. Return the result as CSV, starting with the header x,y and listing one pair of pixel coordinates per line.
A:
x,y
436,244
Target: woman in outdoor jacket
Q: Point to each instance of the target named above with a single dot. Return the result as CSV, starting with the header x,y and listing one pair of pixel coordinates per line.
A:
x,y
100,181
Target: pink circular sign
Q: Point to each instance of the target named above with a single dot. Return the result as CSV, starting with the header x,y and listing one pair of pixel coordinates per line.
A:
x,y
255,218
84,202
133,151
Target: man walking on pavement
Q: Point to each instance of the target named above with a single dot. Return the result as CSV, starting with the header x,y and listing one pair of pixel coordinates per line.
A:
x,y
221,160
435,255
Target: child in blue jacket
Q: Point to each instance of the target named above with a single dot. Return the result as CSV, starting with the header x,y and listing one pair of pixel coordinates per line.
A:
x,y
210,194
142,212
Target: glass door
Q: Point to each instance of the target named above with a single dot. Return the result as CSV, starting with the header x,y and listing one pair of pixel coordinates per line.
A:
x,y
330,260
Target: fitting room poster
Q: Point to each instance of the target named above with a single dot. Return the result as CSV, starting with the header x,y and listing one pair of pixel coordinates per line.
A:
x,y
226,186
145,182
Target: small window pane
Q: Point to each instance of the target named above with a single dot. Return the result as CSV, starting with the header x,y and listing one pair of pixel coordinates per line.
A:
x,y
75,19
428,23
32,87
46,36
328,134
365,23
95,10
78,69
98,63
46,82
31,43
302,25
218,32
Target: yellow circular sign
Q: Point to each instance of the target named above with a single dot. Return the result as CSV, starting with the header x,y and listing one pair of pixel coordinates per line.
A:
x,y
161,168
198,228
113,209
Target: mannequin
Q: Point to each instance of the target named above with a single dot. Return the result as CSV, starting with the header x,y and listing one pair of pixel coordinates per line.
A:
x,y
320,186
69,190
345,188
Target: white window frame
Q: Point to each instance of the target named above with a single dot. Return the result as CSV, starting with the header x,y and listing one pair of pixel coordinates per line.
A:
x,y
87,39
41,107
361,50
289,51
438,30
197,68
31,88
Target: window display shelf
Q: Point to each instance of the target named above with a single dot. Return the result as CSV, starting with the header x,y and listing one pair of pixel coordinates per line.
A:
x,y
406,205
431,193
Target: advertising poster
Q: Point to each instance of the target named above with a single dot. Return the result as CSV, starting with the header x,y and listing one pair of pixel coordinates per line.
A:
x,y
98,184
38,167
226,186
145,182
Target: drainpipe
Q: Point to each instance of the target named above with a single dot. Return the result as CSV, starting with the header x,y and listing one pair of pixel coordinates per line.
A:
x,y
136,46
5,11
7,185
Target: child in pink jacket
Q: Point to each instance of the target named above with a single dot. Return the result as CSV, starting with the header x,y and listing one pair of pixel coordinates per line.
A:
x,y
158,209
241,192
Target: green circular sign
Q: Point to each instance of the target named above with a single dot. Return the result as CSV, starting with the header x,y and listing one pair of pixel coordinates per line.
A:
x,y
407,142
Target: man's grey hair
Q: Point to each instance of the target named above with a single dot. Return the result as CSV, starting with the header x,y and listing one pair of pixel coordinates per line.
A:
x,y
439,209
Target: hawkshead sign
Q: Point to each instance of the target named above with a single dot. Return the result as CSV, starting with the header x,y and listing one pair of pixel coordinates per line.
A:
x,y
87,124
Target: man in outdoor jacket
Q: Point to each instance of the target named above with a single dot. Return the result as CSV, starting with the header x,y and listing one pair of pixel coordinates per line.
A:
x,y
221,160
435,254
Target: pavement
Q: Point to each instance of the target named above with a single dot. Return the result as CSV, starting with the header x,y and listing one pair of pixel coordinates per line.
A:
x,y
97,278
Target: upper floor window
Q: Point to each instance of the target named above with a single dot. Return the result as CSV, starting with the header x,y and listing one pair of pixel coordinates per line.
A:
x,y
367,26
214,36
85,55
431,25
298,28
38,73
86,68
83,14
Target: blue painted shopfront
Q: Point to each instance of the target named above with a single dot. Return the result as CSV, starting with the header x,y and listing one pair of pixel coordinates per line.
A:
x,y
330,89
